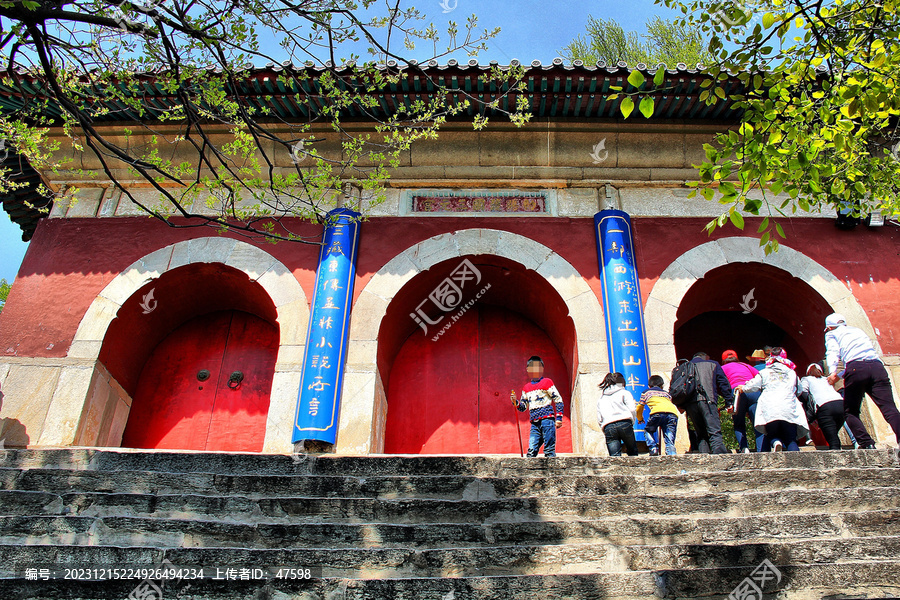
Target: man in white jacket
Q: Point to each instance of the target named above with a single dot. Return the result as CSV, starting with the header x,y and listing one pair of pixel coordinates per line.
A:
x,y
863,373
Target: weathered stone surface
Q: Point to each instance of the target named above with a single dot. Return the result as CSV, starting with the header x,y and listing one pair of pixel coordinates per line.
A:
x,y
479,527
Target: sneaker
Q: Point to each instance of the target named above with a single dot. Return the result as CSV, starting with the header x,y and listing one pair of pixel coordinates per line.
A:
x,y
654,452
777,446
746,450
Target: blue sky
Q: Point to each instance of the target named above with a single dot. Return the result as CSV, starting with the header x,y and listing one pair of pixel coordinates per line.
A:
x,y
530,30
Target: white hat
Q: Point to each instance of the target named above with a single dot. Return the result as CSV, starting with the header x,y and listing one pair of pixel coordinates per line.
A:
x,y
834,320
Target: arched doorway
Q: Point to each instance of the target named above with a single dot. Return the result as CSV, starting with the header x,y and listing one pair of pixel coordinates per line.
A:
x,y
663,316
173,348
745,306
448,387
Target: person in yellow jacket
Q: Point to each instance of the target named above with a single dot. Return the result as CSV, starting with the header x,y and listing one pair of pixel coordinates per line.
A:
x,y
663,416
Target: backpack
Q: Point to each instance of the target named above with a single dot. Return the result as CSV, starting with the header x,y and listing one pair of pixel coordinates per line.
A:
x,y
684,385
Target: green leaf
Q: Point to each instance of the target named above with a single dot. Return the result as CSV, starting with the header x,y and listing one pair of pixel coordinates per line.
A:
x,y
627,106
764,225
736,219
636,79
647,106
658,78
768,20
780,230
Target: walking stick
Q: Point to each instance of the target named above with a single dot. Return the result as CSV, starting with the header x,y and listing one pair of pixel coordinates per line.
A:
x,y
512,395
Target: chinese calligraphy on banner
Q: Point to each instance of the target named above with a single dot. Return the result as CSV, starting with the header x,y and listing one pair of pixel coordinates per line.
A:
x,y
318,404
622,305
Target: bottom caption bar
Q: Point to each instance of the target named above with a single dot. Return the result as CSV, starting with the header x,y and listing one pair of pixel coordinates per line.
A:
x,y
166,573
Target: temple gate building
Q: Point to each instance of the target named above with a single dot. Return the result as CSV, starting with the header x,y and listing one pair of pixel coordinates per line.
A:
x,y
123,332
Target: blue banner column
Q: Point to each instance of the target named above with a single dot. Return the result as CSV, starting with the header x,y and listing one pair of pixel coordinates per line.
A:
x,y
622,306
319,400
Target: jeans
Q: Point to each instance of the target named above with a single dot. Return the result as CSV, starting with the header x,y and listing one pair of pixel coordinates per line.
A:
x,y
667,423
784,432
830,417
618,434
746,405
542,432
704,416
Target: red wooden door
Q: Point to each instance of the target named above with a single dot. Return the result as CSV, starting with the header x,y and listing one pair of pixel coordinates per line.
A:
x,y
173,409
451,396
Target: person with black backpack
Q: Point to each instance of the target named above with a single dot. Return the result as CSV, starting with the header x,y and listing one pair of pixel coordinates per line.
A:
x,y
695,387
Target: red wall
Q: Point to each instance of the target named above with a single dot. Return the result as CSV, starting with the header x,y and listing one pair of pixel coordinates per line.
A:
x,y
69,262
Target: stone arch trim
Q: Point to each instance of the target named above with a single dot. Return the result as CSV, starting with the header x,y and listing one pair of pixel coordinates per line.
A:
x,y
364,401
660,311
275,278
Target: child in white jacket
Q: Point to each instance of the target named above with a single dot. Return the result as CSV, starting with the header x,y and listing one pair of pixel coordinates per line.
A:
x,y
616,413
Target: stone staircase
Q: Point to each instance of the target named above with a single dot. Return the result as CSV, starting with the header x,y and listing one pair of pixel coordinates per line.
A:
x,y
450,528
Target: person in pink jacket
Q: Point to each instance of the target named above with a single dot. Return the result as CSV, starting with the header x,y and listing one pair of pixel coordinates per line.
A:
x,y
739,373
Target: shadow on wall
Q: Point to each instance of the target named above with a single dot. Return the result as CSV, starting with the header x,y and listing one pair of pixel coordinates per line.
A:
x,y
12,432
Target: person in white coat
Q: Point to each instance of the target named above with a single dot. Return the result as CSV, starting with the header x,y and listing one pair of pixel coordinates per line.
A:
x,y
616,413
779,413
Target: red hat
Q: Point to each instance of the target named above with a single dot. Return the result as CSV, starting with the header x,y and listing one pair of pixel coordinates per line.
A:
x,y
729,354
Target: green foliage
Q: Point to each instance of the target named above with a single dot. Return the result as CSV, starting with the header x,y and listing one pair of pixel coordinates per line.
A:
x,y
663,42
75,64
818,86
728,431
4,293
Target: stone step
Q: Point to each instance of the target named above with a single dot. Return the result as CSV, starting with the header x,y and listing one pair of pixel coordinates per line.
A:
x,y
176,533
91,459
798,582
483,561
368,510
438,487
